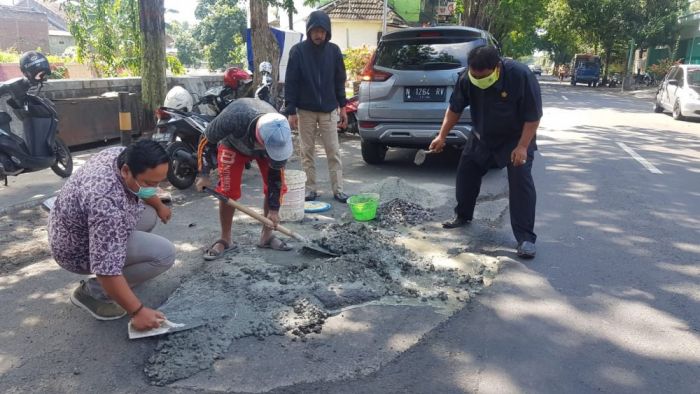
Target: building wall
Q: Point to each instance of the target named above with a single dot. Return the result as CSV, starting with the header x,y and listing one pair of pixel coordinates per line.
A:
x,y
58,44
353,33
23,30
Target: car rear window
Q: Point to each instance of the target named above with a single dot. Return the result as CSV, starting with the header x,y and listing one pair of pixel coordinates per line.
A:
x,y
424,53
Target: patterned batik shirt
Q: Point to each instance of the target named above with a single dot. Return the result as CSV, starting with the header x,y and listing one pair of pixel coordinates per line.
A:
x,y
93,217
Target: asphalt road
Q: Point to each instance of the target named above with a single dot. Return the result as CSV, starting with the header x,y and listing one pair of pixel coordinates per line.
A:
x,y
610,304
612,301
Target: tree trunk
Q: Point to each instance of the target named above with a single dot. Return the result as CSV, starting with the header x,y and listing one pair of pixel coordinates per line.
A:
x,y
265,46
153,62
290,14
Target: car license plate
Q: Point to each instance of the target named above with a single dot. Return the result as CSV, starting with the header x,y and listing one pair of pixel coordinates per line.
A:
x,y
425,93
161,137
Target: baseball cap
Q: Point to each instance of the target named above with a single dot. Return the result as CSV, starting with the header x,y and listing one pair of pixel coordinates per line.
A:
x,y
276,136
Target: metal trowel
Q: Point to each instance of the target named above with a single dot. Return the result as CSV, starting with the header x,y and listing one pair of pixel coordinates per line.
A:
x,y
167,327
421,155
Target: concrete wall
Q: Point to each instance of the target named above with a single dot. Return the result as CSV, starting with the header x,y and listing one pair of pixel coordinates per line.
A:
x,y
85,117
23,29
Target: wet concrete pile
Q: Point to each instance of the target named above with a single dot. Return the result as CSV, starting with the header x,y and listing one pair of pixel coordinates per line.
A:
x,y
395,187
401,212
248,296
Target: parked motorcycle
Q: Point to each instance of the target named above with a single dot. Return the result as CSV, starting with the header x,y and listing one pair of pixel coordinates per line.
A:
x,y
264,90
41,148
351,110
181,127
181,132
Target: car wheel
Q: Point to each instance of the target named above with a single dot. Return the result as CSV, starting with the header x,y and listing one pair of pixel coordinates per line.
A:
x,y
589,84
677,114
657,107
373,153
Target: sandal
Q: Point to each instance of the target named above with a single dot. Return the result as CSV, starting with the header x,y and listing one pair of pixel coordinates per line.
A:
x,y
275,243
211,254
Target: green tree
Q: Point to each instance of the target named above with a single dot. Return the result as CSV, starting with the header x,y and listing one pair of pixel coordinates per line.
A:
x,y
188,48
265,46
558,35
106,34
221,21
153,59
512,22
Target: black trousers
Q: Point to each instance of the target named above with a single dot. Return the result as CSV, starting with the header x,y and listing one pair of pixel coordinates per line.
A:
x,y
474,163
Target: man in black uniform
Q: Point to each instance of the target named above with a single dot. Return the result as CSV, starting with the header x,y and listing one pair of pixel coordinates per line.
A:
x,y
506,107
247,129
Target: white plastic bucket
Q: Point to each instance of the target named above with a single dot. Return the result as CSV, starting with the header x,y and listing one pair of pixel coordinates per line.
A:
x,y
292,209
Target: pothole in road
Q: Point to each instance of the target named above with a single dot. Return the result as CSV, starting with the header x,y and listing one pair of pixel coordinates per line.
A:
x,y
292,295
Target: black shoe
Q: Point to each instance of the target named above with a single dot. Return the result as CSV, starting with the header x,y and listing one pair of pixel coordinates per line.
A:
x,y
458,221
341,197
526,250
310,196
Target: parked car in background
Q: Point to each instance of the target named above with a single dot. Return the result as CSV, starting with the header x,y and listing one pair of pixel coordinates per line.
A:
x,y
680,92
536,69
406,86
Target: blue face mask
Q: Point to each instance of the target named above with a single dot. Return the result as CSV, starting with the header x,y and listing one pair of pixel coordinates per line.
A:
x,y
145,192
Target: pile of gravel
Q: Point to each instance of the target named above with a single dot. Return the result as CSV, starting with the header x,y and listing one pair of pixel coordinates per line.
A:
x,y
398,211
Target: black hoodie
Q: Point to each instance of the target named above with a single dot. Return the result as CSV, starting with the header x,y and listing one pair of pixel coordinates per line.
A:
x,y
315,79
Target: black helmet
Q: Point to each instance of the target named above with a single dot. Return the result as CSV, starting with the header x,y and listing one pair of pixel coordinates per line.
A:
x,y
35,66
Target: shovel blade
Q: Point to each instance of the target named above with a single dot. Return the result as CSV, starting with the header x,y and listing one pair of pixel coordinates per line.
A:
x,y
310,247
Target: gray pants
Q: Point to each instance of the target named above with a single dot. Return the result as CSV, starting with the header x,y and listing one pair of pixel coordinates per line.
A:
x,y
325,125
147,255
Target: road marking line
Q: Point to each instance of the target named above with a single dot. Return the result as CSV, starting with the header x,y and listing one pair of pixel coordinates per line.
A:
x,y
640,159
564,97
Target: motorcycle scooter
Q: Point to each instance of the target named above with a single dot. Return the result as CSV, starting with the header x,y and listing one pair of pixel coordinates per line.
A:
x,y
40,148
180,126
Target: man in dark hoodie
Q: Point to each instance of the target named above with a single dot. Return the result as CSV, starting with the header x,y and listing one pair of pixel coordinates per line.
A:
x,y
315,98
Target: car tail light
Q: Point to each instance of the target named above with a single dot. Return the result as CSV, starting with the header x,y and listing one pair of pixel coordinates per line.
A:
x,y
371,74
368,125
162,114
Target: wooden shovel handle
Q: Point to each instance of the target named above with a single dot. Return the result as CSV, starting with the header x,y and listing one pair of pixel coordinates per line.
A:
x,y
262,219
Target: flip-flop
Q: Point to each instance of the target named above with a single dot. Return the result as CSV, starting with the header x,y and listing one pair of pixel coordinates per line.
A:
x,y
211,254
275,243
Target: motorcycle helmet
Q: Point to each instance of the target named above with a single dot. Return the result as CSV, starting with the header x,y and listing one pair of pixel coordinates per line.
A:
x,y
234,77
265,67
35,66
179,98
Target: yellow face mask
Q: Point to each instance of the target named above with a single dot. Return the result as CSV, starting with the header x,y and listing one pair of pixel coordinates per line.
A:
x,y
485,82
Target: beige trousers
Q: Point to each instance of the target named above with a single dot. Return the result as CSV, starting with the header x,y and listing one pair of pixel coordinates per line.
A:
x,y
325,125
